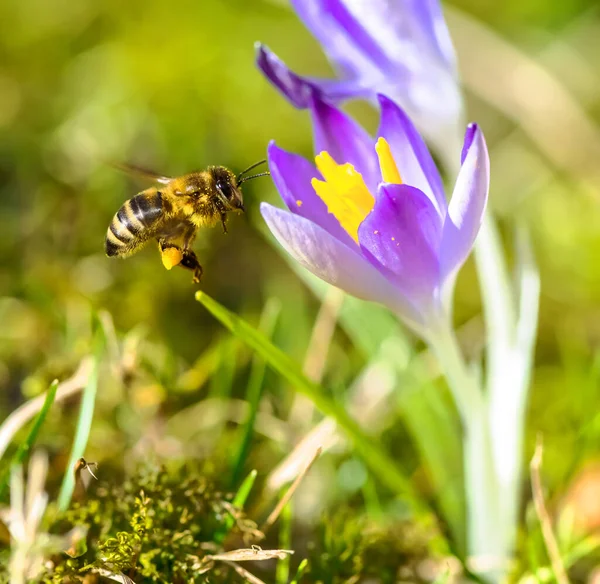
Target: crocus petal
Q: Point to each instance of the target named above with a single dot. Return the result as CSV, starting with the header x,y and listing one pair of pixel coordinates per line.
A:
x,y
345,140
297,89
329,259
300,89
466,208
400,48
432,27
292,175
400,237
348,44
392,27
414,161
468,141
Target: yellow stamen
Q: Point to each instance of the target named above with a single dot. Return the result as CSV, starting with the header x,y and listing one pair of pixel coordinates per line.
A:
x,y
387,164
171,257
344,191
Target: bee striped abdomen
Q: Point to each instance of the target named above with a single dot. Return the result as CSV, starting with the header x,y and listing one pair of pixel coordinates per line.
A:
x,y
133,224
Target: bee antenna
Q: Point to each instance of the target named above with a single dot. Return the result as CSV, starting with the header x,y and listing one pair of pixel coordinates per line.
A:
x,y
239,176
247,178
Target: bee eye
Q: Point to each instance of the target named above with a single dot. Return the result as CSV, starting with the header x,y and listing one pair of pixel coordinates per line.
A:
x,y
224,189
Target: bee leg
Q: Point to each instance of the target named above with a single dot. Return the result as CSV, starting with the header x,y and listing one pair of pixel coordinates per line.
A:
x,y
224,222
190,262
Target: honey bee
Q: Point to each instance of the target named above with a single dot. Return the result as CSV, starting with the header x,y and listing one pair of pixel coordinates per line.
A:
x,y
173,211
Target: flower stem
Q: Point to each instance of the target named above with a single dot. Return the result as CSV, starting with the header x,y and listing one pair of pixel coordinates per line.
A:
x,y
487,553
463,384
480,477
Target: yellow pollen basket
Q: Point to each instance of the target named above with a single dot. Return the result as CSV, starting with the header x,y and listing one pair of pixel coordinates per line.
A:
x,y
171,257
344,191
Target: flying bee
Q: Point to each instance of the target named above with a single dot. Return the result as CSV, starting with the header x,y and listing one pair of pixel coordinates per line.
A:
x,y
174,210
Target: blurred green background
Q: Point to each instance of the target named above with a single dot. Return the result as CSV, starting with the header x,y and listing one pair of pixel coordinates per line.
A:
x,y
172,86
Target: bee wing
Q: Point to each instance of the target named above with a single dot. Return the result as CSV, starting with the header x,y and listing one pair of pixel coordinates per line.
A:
x,y
142,172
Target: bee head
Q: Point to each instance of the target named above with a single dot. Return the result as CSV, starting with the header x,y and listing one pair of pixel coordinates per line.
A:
x,y
227,189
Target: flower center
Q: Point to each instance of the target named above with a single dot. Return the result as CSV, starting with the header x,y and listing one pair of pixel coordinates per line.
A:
x,y
344,191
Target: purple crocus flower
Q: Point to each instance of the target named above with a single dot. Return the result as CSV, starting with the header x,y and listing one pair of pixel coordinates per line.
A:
x,y
372,217
400,48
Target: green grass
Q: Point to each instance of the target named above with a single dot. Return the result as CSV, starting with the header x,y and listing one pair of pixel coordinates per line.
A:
x,y
25,447
82,433
376,459
254,391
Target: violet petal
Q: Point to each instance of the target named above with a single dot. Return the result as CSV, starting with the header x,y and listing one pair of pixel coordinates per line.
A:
x,y
412,157
388,32
466,208
469,135
433,25
351,48
299,89
327,258
292,175
400,237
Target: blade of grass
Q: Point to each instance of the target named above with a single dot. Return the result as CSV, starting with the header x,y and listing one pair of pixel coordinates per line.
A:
x,y
17,419
244,491
543,516
436,433
28,443
300,571
238,501
82,432
287,495
282,572
378,460
267,324
371,499
443,577
222,379
245,574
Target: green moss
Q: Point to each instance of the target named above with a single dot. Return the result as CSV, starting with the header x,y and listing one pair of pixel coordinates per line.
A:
x,y
158,526
154,527
348,548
